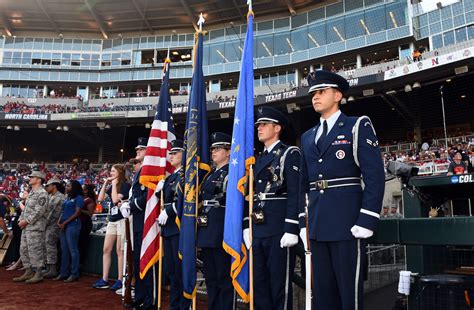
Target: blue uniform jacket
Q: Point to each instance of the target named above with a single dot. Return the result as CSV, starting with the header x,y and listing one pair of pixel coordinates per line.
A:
x,y
281,216
333,211
138,203
213,188
170,197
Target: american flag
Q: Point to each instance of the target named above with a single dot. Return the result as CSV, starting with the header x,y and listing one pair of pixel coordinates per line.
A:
x,y
156,167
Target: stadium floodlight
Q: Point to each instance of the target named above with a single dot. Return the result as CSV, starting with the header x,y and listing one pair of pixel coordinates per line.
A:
x,y
16,128
408,88
292,107
65,128
9,127
368,92
461,70
59,128
351,98
416,85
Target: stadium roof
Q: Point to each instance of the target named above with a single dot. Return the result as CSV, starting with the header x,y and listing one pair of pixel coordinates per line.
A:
x,y
106,17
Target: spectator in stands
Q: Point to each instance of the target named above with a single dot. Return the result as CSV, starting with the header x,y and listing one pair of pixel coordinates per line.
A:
x,y
87,211
16,239
117,188
385,212
394,214
416,55
70,226
457,166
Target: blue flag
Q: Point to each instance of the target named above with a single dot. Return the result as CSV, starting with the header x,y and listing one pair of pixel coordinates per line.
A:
x,y
240,160
196,166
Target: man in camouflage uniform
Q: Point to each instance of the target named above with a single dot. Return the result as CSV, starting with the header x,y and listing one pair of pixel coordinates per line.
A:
x,y
56,199
33,223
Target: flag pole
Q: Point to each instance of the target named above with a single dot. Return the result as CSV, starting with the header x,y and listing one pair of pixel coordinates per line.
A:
x,y
160,262
309,267
196,214
251,237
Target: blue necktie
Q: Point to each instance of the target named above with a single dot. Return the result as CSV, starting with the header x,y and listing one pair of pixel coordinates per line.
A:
x,y
319,144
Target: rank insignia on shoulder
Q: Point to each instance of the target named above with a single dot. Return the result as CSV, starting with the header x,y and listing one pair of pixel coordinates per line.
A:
x,y
372,143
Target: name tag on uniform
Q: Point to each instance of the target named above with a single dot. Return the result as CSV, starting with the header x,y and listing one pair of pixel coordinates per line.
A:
x,y
341,142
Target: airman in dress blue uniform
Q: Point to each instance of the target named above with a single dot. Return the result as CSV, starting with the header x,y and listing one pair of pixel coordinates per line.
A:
x,y
137,202
170,229
275,213
211,227
342,173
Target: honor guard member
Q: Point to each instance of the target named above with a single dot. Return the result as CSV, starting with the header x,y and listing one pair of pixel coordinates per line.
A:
x,y
56,200
211,227
33,223
342,173
275,213
137,204
170,230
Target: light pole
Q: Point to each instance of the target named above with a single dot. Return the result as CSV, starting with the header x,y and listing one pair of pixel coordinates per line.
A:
x,y
444,117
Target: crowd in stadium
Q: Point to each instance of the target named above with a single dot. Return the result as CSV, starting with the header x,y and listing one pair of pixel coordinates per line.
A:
x,y
427,157
18,107
86,189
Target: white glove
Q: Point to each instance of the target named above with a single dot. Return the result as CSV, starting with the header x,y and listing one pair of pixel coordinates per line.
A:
x,y
246,236
288,240
303,238
162,218
361,232
125,209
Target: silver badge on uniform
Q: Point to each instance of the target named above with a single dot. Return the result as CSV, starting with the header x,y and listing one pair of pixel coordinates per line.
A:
x,y
341,136
340,154
142,187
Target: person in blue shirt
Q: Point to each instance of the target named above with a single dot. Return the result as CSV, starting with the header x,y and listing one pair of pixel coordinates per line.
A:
x,y
70,226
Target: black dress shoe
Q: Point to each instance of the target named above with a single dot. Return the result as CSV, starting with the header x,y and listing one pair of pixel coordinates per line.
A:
x,y
145,307
71,279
